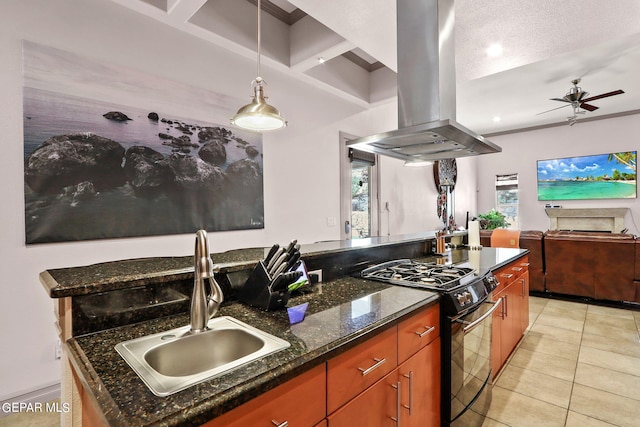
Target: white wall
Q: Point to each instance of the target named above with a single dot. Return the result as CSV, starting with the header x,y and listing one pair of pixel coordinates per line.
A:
x,y
521,150
301,164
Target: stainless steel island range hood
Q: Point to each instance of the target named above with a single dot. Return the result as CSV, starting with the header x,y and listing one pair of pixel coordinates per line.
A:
x,y
426,90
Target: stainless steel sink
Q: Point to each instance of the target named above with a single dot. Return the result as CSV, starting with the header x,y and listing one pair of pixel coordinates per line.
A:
x,y
171,361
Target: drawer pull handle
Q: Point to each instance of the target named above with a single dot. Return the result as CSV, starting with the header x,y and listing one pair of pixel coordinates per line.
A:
x,y
428,331
517,268
277,424
398,388
378,363
410,405
507,275
525,264
506,306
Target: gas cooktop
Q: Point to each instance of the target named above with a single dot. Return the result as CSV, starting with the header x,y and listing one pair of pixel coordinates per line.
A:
x,y
417,274
460,289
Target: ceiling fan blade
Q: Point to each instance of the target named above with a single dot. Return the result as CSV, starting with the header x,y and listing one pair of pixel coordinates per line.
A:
x,y
559,99
604,95
588,107
553,109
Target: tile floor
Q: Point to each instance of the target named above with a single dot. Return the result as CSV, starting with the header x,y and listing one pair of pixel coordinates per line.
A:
x,y
577,366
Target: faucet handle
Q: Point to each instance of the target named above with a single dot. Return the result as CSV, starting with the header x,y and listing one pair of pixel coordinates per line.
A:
x,y
215,297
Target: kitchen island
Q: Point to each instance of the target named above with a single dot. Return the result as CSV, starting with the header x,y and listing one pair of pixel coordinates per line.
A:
x,y
343,312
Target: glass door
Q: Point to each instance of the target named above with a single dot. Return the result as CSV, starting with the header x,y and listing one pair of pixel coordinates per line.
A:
x,y
358,192
360,200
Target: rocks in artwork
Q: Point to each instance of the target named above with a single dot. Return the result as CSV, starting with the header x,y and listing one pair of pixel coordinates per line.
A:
x,y
78,166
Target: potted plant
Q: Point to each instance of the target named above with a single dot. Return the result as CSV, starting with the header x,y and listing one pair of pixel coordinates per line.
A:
x,y
492,220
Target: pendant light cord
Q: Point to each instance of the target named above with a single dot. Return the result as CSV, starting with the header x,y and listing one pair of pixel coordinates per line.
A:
x,y
258,38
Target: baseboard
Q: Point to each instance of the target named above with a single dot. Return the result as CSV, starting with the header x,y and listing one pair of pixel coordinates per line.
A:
x,y
626,305
42,395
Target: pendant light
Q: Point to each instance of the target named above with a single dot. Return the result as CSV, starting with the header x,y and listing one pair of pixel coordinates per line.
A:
x,y
257,115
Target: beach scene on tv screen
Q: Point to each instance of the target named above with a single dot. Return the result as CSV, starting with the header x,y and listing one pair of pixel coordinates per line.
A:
x,y
601,176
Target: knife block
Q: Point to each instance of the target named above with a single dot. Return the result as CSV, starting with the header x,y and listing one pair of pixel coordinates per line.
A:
x,y
256,292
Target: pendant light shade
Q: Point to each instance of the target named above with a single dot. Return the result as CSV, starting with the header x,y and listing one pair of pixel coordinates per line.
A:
x,y
258,115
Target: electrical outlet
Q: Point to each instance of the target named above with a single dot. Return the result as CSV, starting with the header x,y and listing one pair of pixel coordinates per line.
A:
x,y
58,351
331,221
316,273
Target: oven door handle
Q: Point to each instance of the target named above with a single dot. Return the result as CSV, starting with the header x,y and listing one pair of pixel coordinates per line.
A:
x,y
479,320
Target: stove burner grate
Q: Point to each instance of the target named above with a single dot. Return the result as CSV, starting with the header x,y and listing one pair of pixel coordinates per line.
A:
x,y
416,273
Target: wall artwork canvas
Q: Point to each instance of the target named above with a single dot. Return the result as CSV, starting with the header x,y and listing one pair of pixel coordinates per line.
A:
x,y
602,176
112,152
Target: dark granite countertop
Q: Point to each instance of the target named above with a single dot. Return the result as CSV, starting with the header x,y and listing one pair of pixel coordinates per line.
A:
x,y
114,275
341,314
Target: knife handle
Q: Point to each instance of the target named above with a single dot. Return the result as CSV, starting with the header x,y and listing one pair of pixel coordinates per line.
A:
x,y
293,260
282,259
278,284
291,246
280,269
271,253
275,257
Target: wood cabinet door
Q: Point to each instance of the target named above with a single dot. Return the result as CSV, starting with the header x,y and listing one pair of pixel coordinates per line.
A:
x,y
375,407
353,371
298,402
523,282
511,321
420,393
497,325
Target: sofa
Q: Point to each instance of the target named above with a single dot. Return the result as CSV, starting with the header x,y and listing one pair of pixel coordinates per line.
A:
x,y
591,264
636,278
596,265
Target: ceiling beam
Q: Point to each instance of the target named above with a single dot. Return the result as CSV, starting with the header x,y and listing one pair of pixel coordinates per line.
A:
x,y
310,40
183,10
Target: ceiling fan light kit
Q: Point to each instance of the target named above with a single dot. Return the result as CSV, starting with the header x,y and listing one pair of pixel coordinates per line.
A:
x,y
258,115
577,99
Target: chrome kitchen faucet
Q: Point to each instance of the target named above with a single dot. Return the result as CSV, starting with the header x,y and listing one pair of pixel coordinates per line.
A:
x,y
203,307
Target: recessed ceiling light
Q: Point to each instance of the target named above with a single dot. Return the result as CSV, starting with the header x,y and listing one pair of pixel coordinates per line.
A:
x,y
494,50
496,119
321,60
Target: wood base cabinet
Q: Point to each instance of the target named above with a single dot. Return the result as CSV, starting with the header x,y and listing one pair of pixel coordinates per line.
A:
x,y
512,320
420,393
407,397
406,394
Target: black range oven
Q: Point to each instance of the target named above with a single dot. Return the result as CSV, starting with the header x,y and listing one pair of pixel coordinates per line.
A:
x,y
466,311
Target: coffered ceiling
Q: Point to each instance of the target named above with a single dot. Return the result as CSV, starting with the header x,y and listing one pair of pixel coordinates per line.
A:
x,y
348,49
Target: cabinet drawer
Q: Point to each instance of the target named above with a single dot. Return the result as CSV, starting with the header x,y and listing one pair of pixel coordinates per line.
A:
x,y
353,371
377,406
418,331
520,267
505,276
299,402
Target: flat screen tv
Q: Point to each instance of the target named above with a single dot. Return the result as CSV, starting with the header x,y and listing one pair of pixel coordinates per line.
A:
x,y
601,176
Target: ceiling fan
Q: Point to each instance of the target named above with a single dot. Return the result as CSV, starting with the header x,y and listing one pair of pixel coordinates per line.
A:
x,y
577,99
